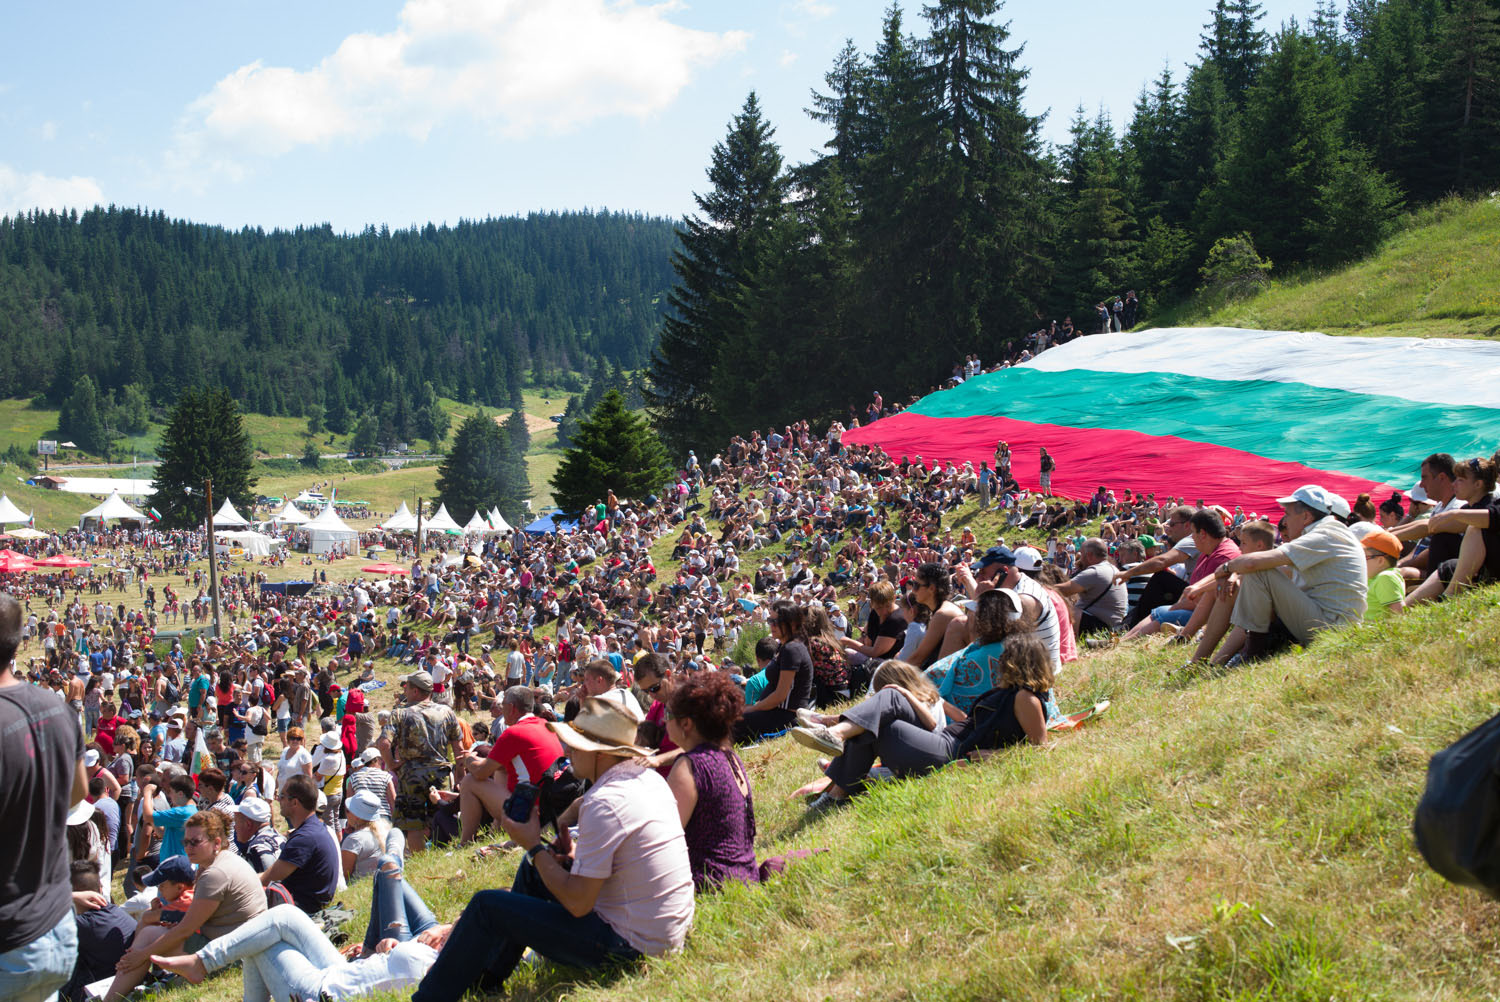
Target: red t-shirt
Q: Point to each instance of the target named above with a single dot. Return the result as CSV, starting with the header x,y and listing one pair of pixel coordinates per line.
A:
x,y
1207,563
525,750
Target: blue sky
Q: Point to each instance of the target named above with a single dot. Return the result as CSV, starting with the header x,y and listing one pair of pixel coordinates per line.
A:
x,y
386,112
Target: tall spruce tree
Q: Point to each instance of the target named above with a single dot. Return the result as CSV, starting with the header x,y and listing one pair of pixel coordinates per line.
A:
x,y
1464,97
482,470
82,418
614,450
1236,45
205,439
720,252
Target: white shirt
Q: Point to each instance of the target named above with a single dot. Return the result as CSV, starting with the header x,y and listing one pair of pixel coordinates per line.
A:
x,y
403,967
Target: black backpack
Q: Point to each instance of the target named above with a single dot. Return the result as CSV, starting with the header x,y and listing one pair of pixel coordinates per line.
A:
x,y
984,729
173,693
1457,824
559,788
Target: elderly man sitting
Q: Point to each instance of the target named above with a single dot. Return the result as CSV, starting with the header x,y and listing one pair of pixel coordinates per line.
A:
x,y
1326,586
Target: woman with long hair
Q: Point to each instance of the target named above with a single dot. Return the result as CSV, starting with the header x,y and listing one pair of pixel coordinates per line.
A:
x,y
830,663
789,676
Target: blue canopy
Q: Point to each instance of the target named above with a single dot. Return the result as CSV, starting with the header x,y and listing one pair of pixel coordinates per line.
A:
x,y
554,522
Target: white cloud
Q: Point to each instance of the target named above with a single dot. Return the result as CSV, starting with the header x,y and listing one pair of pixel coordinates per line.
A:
x,y
814,9
788,57
23,192
514,67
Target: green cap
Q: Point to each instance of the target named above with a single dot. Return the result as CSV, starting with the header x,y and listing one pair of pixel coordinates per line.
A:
x,y
1146,541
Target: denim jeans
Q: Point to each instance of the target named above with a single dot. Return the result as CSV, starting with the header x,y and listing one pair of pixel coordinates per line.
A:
x,y
284,951
397,911
34,972
497,927
1163,614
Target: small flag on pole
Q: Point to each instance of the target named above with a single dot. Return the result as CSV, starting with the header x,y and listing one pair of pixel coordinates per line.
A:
x,y
155,515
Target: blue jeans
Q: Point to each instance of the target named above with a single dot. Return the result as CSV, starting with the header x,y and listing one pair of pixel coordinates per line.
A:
x,y
496,928
396,910
34,972
1163,614
284,954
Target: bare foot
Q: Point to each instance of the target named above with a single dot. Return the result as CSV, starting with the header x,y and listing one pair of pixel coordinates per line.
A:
x,y
189,967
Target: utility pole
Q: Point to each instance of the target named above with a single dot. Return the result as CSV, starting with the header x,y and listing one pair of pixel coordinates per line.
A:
x,y
419,528
213,560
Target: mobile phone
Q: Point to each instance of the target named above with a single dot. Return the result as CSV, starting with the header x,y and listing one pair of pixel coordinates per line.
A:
x,y
519,805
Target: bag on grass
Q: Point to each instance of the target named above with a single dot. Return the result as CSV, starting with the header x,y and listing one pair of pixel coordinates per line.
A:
x,y
1457,824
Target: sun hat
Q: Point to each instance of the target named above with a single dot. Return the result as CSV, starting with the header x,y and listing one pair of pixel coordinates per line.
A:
x,y
91,757
81,813
178,868
364,805
255,809
603,725
1147,541
1312,496
331,741
421,679
1385,542
367,756
1028,558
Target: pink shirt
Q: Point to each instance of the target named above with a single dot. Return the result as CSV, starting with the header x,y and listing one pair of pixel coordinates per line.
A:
x,y
1067,646
629,833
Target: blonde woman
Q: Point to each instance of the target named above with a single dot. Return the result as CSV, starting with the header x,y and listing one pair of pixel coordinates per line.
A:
x,y
369,837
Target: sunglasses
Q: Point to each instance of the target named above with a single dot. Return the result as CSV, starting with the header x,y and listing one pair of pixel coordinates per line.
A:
x,y
654,689
193,842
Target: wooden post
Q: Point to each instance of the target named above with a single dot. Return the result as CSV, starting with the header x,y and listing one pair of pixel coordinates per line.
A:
x,y
213,560
419,528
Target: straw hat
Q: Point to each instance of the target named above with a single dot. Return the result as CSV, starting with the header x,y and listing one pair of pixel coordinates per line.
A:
x,y
603,725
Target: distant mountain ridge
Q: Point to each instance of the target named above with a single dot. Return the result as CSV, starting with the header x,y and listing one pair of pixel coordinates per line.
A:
x,y
288,319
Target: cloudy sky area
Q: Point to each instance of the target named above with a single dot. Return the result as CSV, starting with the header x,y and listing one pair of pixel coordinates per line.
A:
x,y
356,112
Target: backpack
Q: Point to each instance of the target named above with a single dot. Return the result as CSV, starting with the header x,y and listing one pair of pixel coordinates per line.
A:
x,y
559,788
1457,823
984,729
172,692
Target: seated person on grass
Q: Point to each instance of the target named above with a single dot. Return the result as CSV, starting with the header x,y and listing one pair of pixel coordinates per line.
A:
x,y
1386,586
1192,610
1255,537
1466,530
896,726
1327,588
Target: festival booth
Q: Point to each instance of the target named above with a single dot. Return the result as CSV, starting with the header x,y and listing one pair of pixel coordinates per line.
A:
x,y
328,531
248,543
227,518
113,509
402,521
555,522
288,515
442,522
477,526
10,514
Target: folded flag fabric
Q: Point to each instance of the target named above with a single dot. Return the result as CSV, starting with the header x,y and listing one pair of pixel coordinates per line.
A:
x,y
1234,417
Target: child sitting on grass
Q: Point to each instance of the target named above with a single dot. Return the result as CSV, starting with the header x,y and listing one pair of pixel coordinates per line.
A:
x,y
1386,585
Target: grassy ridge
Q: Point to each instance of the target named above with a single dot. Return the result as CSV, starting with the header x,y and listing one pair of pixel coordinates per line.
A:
x,y
1438,277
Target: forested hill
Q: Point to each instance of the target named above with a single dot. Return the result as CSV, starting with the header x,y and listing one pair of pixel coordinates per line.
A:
x,y
288,319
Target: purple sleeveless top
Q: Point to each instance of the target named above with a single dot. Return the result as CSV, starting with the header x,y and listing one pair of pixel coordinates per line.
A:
x,y
721,832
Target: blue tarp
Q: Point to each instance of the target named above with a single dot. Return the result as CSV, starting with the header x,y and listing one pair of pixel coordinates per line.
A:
x,y
554,522
286,587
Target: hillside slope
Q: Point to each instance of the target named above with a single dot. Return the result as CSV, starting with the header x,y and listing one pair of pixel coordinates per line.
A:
x,y
1438,277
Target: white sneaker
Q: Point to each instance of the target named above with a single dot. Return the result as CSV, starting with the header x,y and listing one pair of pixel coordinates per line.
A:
x,y
808,717
819,738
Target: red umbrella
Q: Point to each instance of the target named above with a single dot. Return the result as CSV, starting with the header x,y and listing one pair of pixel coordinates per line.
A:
x,y
386,568
12,562
63,560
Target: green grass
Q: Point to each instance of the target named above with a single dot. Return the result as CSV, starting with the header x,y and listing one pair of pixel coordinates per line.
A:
x,y
1439,276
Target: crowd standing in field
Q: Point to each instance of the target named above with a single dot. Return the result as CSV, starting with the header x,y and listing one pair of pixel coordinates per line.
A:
x,y
821,591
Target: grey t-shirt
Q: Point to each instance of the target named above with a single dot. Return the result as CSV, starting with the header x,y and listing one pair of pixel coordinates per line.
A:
x,y
1101,597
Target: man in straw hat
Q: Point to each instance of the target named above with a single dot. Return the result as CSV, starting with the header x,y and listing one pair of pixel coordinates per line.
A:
x,y
629,891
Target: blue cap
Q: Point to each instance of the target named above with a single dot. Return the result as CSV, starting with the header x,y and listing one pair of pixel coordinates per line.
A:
x,y
172,868
1002,555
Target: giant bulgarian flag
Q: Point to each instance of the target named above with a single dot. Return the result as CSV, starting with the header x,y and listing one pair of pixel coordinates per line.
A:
x,y
1235,417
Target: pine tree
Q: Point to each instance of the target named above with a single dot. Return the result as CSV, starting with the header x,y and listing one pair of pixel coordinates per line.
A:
x,y
480,471
718,250
520,435
82,418
205,440
1464,106
1235,45
613,450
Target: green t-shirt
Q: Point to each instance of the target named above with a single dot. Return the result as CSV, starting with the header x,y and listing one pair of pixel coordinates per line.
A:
x,y
1386,587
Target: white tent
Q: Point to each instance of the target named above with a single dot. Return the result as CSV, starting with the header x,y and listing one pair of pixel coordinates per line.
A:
x,y
26,532
498,522
227,518
327,531
288,515
441,522
10,514
402,521
477,526
112,509
255,544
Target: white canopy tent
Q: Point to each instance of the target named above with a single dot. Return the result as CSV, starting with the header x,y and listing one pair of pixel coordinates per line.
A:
x,y
477,526
402,521
26,532
227,518
255,544
498,522
289,515
327,531
113,509
441,522
10,514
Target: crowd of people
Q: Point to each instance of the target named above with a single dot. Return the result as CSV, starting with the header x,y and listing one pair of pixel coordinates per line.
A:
x,y
820,591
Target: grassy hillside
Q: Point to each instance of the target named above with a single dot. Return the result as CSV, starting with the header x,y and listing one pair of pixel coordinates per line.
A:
x,y
1438,277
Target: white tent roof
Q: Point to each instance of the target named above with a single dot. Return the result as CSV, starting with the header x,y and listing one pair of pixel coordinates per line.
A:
x,y
113,508
441,522
227,517
254,543
289,515
403,520
477,524
497,520
10,514
328,521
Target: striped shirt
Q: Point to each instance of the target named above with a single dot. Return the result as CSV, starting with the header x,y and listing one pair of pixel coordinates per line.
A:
x,y
371,778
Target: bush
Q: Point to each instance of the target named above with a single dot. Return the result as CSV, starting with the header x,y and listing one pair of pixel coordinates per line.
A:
x,y
367,466
1233,269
